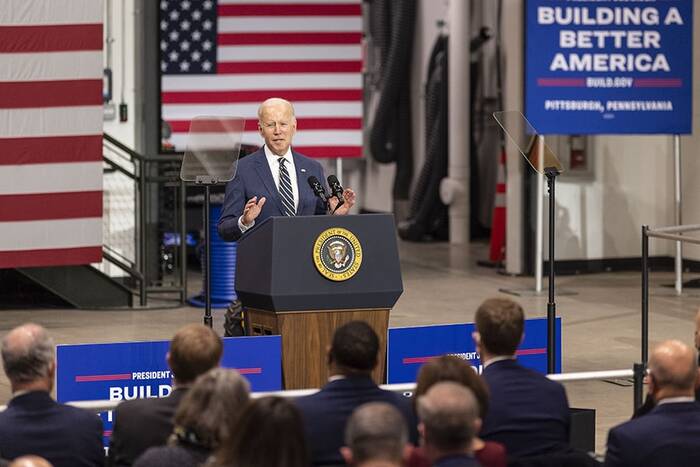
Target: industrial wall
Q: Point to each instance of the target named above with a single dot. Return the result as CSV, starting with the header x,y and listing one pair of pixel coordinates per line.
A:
x,y
629,181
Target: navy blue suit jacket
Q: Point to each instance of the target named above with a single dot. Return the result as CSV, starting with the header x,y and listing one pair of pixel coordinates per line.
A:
x,y
254,178
34,423
528,413
457,461
326,413
668,436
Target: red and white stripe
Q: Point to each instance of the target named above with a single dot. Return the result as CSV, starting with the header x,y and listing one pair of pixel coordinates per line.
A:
x,y
306,51
50,132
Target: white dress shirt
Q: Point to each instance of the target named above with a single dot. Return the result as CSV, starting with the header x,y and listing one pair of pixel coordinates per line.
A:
x,y
274,164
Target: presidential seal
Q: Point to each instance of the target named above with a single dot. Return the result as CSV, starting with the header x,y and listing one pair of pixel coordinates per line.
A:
x,y
337,254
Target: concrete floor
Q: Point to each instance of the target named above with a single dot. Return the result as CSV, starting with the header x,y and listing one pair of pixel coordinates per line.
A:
x,y
442,284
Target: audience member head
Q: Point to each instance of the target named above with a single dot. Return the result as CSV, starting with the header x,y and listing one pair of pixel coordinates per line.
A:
x,y
451,368
673,369
194,350
354,349
30,461
204,414
449,420
28,358
376,435
277,124
499,328
268,433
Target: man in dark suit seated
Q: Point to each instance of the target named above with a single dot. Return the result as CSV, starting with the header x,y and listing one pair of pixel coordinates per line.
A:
x,y
376,435
649,402
669,435
448,415
351,359
528,413
273,181
33,422
142,423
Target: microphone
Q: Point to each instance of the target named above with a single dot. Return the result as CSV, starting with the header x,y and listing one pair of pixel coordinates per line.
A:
x,y
336,190
318,189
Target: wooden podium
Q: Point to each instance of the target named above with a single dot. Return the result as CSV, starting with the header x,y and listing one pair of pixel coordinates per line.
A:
x,y
303,277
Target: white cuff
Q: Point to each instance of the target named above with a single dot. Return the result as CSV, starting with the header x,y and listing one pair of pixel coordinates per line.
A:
x,y
244,227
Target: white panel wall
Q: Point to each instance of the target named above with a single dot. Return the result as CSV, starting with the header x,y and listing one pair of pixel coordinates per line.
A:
x,y
122,10
632,184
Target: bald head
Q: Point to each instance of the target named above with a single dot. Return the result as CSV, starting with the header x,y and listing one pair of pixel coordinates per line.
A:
x,y
275,103
673,369
448,413
376,431
30,461
28,356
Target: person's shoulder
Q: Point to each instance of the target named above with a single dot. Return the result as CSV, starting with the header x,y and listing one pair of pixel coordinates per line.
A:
x,y
311,399
395,398
250,159
306,159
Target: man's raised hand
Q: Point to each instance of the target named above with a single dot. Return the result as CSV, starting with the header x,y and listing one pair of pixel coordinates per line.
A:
x,y
252,209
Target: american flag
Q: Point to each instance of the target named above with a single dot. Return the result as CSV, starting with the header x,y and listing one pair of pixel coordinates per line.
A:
x,y
224,58
50,132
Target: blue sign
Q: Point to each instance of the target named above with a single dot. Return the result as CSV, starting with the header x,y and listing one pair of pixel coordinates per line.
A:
x,y
609,67
130,370
408,348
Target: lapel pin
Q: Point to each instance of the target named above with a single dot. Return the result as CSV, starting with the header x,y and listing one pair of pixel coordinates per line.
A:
x,y
303,170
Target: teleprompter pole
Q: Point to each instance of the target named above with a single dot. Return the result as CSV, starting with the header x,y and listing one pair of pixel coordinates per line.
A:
x,y
207,260
551,174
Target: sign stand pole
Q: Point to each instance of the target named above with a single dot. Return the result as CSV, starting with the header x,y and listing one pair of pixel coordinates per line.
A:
x,y
677,210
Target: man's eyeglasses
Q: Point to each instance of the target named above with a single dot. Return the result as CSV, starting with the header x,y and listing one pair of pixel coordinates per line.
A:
x,y
272,125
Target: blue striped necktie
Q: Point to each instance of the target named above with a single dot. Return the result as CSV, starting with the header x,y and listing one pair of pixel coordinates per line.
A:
x,y
285,189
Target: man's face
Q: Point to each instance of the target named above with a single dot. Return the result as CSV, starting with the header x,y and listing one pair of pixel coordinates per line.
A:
x,y
277,127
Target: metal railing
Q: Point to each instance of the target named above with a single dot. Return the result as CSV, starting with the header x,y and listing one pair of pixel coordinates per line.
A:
x,y
405,388
137,169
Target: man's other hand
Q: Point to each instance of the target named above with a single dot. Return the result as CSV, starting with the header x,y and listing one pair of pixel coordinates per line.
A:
x,y
252,209
349,201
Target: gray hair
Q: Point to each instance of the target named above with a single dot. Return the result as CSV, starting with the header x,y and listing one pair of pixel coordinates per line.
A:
x,y
448,412
216,395
27,353
376,431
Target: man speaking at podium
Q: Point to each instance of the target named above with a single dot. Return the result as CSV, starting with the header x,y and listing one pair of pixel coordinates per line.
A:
x,y
274,180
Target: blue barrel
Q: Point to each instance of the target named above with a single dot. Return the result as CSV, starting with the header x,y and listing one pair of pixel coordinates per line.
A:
x,y
223,267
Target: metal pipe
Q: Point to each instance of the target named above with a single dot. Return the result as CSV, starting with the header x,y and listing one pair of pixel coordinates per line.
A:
x,y
539,218
590,375
142,244
105,405
123,52
638,385
161,158
645,294
678,211
339,169
676,228
109,38
122,265
183,242
458,117
679,238
207,260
